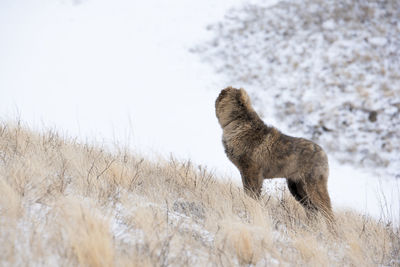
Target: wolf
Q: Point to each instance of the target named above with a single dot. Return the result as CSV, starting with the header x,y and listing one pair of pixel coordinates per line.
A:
x,y
262,152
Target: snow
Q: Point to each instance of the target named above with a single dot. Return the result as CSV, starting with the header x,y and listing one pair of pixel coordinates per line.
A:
x,y
178,220
123,72
327,71
330,70
370,194
378,41
329,24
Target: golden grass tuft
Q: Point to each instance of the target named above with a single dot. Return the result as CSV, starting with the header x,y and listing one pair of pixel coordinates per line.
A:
x,y
65,203
88,233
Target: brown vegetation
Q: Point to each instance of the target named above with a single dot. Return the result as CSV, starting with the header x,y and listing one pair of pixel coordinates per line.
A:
x,y
63,203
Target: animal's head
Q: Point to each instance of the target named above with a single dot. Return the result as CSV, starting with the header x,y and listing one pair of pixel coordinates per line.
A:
x,y
230,104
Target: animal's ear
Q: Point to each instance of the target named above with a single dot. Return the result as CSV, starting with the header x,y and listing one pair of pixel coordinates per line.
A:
x,y
244,96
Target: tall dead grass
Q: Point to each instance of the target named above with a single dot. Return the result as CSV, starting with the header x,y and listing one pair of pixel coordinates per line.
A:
x,y
65,203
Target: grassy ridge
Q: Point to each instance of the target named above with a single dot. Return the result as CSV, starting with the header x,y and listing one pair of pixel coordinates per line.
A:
x,y
66,203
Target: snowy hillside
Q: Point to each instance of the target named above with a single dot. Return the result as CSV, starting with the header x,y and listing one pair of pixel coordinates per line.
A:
x,y
327,70
121,73
64,203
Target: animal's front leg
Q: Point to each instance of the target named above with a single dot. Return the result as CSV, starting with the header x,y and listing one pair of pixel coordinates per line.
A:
x,y
252,182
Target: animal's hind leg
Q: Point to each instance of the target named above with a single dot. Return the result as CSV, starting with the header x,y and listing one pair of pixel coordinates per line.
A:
x,y
298,190
293,190
319,196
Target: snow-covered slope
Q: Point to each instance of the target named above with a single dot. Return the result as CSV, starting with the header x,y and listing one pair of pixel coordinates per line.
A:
x,y
328,70
65,203
121,72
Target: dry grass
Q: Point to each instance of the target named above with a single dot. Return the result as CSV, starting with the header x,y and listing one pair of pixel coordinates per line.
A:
x,y
67,204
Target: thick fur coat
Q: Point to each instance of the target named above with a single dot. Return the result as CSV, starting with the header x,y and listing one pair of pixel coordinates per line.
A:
x,y
262,152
